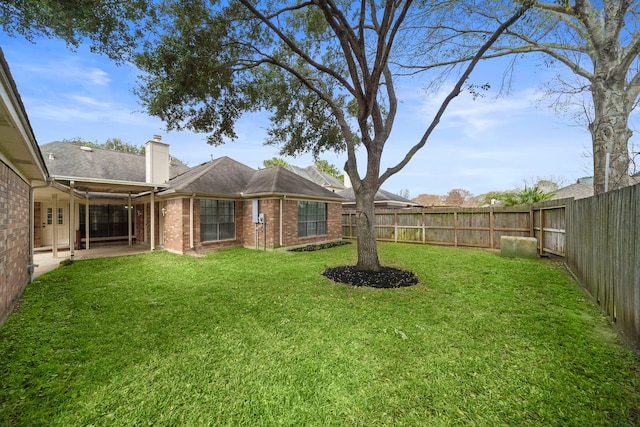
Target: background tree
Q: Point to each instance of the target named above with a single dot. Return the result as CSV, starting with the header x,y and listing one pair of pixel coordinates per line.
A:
x,y
526,196
428,199
325,70
457,197
405,193
599,43
275,161
329,168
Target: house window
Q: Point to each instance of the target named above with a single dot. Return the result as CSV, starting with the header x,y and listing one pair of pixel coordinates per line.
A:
x,y
217,220
312,219
60,216
105,221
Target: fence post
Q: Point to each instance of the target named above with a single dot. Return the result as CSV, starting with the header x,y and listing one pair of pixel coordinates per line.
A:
x,y
541,230
491,226
455,229
395,227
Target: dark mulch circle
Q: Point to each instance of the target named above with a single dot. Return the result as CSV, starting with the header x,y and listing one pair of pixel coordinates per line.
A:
x,y
388,277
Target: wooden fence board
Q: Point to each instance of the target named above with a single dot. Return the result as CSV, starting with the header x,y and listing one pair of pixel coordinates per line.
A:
x,y
465,227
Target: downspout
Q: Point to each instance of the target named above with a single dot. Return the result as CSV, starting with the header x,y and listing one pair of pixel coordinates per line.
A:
x,y
32,223
191,221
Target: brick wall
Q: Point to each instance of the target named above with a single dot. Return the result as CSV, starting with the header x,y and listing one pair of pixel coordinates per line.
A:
x,y
176,225
271,209
138,218
14,238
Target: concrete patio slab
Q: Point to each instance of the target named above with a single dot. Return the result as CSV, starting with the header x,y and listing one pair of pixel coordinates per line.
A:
x,y
46,262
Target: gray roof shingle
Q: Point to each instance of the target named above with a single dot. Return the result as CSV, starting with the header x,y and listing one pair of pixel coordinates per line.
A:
x,y
314,174
277,180
222,177
381,196
66,159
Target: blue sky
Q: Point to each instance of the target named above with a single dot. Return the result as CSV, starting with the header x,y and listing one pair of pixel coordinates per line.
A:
x,y
491,143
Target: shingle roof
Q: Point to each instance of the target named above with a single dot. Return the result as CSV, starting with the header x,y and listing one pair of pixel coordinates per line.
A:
x,y
381,196
222,176
66,159
314,174
280,181
577,191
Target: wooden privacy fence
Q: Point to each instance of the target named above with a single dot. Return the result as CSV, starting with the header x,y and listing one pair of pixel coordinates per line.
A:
x,y
603,253
475,227
549,226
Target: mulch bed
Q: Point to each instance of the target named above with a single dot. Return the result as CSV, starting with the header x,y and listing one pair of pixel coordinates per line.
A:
x,y
388,277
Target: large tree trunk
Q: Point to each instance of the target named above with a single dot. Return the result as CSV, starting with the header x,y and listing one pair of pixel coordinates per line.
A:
x,y
365,225
610,132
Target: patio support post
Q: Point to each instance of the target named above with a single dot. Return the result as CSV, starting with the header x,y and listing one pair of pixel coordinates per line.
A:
x,y
86,222
54,224
128,218
72,223
153,220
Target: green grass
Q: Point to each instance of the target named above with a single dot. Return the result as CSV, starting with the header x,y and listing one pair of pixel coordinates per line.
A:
x,y
244,337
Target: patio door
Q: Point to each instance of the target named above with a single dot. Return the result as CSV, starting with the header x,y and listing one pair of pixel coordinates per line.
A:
x,y
58,219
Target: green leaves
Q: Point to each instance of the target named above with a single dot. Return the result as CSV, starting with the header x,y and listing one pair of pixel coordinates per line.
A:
x,y
113,27
526,196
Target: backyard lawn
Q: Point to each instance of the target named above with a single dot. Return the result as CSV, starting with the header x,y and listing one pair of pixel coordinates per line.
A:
x,y
244,337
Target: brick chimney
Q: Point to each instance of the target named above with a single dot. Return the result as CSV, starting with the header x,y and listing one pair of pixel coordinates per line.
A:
x,y
156,155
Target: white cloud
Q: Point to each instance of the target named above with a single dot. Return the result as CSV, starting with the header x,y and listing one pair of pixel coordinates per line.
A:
x,y
70,70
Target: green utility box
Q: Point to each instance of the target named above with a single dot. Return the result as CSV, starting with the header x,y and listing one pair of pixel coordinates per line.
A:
x,y
519,247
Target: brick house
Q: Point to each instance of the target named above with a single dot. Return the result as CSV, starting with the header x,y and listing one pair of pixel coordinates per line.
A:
x,y
155,201
21,169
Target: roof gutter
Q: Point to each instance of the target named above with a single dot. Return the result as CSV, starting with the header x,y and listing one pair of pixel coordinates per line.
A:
x,y
80,180
295,196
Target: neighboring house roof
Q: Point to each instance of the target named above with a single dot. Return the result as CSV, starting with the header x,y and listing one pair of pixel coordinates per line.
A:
x,y
18,143
584,188
576,191
382,197
71,160
321,178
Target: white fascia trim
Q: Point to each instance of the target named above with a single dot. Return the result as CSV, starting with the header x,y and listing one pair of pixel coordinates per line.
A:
x,y
77,180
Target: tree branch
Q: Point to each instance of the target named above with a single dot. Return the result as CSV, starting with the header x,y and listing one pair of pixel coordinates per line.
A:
x,y
454,92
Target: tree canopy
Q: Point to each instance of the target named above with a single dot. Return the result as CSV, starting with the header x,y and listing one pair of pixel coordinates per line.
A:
x,y
326,71
113,27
